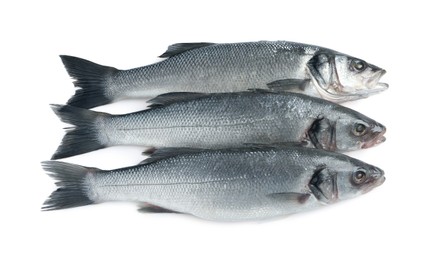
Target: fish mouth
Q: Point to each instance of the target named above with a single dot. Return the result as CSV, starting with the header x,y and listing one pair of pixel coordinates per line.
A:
x,y
373,184
371,86
373,143
381,181
379,138
373,83
340,97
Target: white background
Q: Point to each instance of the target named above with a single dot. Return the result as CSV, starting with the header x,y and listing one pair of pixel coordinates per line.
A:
x,y
399,219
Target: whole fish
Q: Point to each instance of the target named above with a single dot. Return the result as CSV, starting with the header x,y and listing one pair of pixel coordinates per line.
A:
x,y
229,67
221,185
222,120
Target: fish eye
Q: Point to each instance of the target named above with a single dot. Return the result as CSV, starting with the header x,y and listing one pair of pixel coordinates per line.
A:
x,y
359,176
358,65
359,129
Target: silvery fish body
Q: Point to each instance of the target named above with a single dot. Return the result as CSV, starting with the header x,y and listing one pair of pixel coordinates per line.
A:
x,y
229,67
221,185
222,120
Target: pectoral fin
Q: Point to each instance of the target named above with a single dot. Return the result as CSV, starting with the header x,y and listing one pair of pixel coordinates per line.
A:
x,y
288,84
292,197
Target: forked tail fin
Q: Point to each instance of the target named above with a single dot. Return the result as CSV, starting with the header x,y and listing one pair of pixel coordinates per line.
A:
x,y
72,185
84,136
91,79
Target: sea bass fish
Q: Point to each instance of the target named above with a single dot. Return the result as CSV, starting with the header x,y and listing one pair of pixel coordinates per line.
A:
x,y
222,120
229,67
220,185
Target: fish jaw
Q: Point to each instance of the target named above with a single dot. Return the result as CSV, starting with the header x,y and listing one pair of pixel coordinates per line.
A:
x,y
379,138
340,96
373,84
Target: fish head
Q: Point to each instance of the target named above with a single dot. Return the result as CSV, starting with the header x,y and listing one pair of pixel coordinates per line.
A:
x,y
344,179
345,130
340,78
355,131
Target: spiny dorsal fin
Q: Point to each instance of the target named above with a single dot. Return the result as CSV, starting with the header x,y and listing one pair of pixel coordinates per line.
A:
x,y
163,153
174,97
179,48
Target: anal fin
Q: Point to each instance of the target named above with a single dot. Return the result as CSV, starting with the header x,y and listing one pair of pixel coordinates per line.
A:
x,y
174,97
157,154
149,208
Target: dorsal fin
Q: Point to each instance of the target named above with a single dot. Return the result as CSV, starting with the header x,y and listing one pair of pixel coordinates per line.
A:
x,y
179,48
174,97
163,153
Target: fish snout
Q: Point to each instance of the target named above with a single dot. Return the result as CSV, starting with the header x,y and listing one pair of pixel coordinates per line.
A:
x,y
377,70
377,134
378,177
377,173
373,83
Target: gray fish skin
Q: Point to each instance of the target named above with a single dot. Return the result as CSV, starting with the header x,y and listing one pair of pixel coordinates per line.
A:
x,y
221,120
221,185
230,67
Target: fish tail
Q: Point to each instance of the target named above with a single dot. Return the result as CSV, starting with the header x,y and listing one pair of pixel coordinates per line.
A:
x,y
91,79
84,136
72,185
